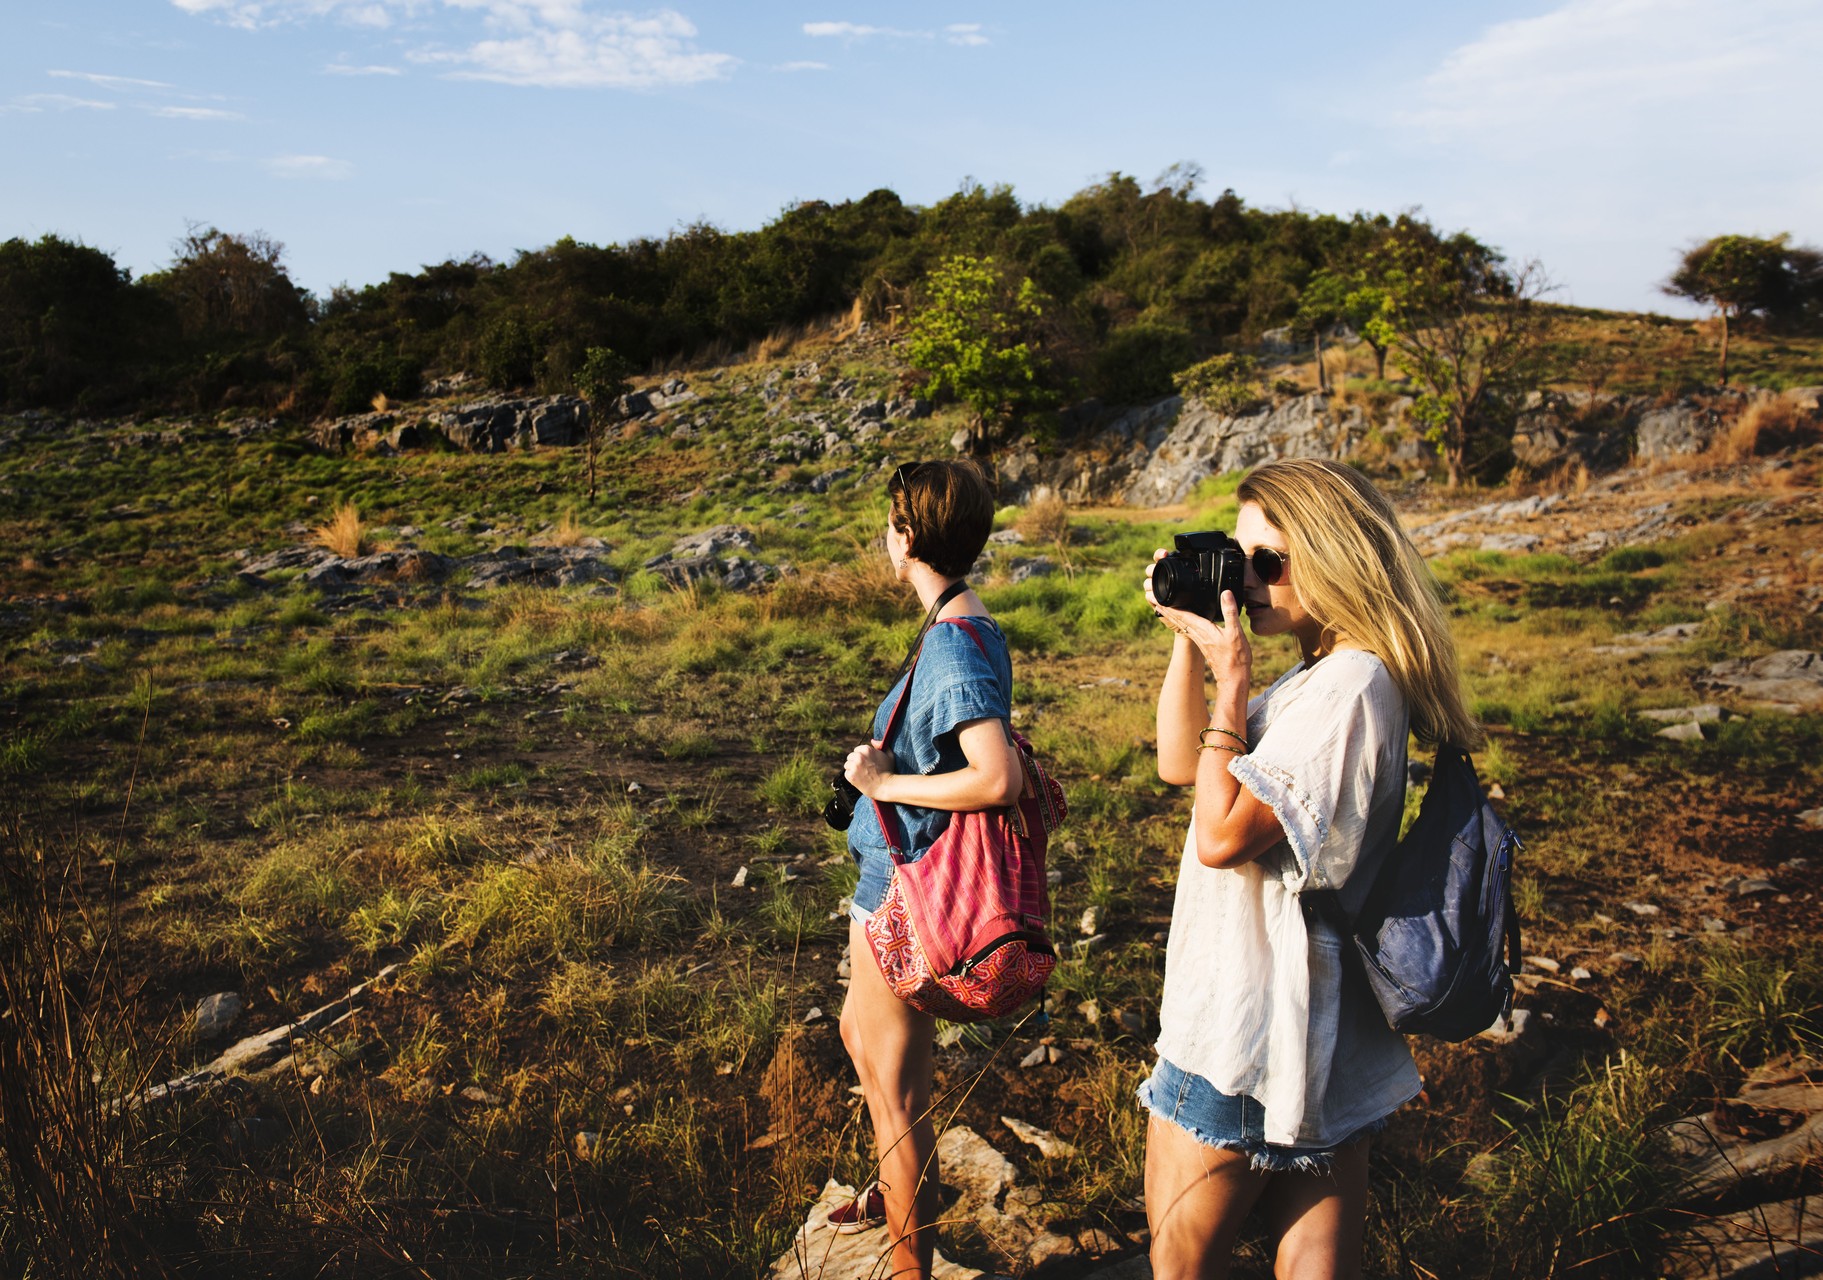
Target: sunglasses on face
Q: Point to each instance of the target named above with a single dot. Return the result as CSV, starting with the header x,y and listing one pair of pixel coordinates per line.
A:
x,y
1268,565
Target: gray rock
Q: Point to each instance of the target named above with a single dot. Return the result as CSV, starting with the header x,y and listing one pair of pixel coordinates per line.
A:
x,y
970,1164
1705,713
494,426
544,567
1683,731
216,1013
1519,543
713,541
1791,677
1049,1144
1683,428
1748,888
819,1252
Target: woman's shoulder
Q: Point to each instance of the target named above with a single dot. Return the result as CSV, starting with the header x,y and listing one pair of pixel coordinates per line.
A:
x,y
954,634
1346,673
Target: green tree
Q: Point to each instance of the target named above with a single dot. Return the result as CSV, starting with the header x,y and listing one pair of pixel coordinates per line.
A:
x,y
1322,305
603,379
1467,329
1227,384
68,321
1745,276
1366,307
227,286
973,338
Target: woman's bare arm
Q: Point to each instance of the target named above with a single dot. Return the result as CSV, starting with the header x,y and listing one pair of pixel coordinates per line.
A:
x,y
992,777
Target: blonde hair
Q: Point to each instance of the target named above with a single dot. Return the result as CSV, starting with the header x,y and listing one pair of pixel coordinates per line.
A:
x,y
1355,570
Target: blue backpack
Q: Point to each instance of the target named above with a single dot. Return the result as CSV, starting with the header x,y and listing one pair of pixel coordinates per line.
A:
x,y
1437,936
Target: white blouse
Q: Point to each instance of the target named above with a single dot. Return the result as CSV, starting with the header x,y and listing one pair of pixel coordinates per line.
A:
x,y
1257,999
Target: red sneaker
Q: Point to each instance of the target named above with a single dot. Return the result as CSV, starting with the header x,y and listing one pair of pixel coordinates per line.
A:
x,y
865,1212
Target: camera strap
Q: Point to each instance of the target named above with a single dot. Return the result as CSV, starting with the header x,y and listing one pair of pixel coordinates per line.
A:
x,y
950,592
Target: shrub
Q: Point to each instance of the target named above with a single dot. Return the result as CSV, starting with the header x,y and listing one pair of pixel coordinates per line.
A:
x,y
1045,520
1137,362
1226,384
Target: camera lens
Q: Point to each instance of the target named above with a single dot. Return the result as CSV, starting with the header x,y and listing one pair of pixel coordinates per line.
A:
x,y
1170,578
840,811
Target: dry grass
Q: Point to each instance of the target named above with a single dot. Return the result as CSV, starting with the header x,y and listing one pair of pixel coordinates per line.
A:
x,y
380,403
566,532
1045,520
343,534
1768,424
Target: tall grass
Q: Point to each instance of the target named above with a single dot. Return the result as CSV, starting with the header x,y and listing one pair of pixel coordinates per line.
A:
x,y
343,533
71,1204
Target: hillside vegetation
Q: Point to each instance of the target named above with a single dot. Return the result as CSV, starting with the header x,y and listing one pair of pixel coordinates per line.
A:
x,y
576,829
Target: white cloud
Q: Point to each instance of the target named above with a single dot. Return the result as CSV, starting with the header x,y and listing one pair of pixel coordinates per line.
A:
x,y
549,43
802,66
324,168
964,33
57,102
344,69
259,13
1604,134
859,31
109,82
565,47
1601,68
193,113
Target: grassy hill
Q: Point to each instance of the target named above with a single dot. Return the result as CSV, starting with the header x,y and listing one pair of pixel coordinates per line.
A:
x,y
582,821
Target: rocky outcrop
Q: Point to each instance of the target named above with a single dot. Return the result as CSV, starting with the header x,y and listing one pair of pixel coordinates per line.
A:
x,y
482,426
494,426
1791,679
1155,454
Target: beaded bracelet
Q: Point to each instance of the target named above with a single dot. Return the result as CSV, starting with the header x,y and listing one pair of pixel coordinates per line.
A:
x,y
1219,746
1203,737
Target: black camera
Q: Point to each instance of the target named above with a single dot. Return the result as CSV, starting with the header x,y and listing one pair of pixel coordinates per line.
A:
x,y
840,811
1193,577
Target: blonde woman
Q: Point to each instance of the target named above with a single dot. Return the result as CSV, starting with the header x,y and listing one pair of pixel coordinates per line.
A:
x,y
1275,1065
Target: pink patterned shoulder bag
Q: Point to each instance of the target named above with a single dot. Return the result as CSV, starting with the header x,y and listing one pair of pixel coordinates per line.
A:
x,y
961,932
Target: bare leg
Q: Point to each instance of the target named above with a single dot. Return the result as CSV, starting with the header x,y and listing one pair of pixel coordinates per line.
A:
x,y
1320,1220
891,1045
1197,1196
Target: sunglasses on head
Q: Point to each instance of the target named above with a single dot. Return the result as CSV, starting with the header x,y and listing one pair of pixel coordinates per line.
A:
x,y
902,475
1268,565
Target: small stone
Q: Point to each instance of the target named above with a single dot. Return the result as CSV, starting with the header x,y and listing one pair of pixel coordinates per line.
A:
x,y
1090,1010
1507,1030
1642,908
1603,1018
1748,888
1707,713
844,968
633,788
1130,1022
815,1014
1090,924
1580,974
1497,792
1086,945
725,1069
1683,731
476,1094
1795,864
1053,1053
740,879
1628,958
1035,1058
1053,877
585,1144
1812,818
216,1013
1543,962
319,1085
1714,924
1048,1143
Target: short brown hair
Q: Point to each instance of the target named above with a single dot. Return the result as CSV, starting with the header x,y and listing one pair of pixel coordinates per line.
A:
x,y
946,510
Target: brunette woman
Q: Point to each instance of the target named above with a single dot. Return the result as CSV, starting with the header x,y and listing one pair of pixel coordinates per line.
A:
x,y
950,751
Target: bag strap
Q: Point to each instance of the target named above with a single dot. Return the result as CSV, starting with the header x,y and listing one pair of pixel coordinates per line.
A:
x,y
911,667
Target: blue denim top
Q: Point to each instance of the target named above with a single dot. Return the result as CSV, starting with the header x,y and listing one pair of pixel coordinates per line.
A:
x,y
954,682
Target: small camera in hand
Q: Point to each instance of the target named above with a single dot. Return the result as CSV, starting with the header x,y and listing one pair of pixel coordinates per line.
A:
x,y
1193,576
840,811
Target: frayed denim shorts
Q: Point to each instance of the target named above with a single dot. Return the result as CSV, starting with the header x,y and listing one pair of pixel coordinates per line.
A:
x,y
1233,1122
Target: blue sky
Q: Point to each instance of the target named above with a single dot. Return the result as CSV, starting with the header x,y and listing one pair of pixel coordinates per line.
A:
x,y
368,136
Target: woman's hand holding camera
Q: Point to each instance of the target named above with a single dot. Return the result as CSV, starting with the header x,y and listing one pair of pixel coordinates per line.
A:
x,y
867,766
1223,646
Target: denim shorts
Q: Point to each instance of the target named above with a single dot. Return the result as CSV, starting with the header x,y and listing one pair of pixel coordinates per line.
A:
x,y
876,873
1233,1122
